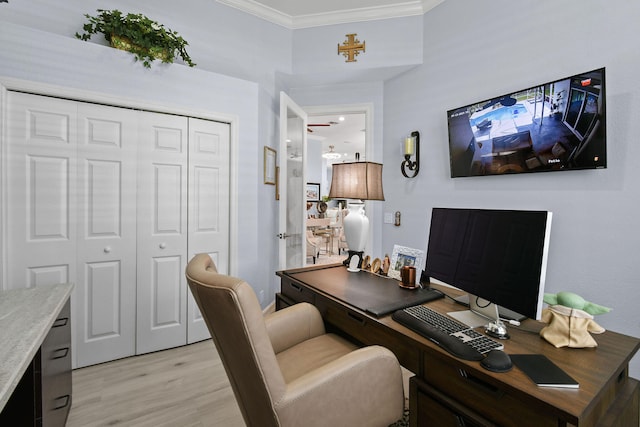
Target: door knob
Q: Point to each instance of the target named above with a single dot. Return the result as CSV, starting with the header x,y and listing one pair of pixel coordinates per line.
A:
x,y
107,249
163,245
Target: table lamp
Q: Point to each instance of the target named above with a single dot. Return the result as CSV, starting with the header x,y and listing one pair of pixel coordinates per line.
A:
x,y
360,181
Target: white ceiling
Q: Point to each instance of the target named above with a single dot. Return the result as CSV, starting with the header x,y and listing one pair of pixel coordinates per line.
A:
x,y
311,13
347,136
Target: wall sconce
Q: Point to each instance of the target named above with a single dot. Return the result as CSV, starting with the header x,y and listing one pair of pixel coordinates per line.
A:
x,y
411,147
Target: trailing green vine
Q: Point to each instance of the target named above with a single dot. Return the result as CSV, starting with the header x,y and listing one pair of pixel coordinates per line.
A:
x,y
145,38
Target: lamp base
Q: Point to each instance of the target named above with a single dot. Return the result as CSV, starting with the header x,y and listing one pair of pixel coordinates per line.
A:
x,y
360,254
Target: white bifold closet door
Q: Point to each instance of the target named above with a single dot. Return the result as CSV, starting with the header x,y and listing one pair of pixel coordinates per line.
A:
x,y
209,195
71,215
176,221
116,201
162,231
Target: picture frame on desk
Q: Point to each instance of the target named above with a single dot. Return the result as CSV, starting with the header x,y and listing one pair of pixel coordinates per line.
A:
x,y
403,256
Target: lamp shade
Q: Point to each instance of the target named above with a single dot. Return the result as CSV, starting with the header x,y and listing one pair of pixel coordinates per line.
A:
x,y
357,180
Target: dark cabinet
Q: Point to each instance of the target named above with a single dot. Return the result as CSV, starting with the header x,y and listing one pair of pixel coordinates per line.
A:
x,y
43,396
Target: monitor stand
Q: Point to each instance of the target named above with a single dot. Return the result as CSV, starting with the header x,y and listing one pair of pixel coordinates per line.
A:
x,y
469,318
480,311
505,313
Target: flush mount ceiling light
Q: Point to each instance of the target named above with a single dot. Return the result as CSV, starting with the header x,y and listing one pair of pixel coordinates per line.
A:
x,y
330,155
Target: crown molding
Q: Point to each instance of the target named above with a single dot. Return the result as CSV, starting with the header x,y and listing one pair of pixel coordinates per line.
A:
x,y
409,8
261,11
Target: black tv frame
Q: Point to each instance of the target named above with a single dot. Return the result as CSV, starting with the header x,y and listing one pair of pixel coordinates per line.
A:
x,y
554,126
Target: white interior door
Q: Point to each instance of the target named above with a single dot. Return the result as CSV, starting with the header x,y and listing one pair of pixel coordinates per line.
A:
x,y
162,232
106,253
41,191
208,227
71,183
293,154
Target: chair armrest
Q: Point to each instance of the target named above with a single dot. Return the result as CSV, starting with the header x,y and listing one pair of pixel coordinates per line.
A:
x,y
293,325
363,387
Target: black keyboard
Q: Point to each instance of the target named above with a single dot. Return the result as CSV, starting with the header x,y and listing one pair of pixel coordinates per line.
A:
x,y
453,336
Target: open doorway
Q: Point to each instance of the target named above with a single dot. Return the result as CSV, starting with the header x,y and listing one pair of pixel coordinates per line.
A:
x,y
334,135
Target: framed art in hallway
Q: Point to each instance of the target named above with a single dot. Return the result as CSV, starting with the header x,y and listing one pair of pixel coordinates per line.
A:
x,y
269,165
313,192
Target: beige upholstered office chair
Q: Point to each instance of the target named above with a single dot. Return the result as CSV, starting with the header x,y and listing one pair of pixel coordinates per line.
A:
x,y
284,369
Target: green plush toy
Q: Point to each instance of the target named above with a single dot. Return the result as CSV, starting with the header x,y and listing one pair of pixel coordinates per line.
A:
x,y
571,300
570,321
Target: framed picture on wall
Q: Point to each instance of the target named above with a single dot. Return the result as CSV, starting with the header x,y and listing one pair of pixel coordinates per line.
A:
x,y
277,182
402,256
313,192
269,165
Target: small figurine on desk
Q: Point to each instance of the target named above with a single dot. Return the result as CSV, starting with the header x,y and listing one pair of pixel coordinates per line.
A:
x,y
366,262
570,319
386,262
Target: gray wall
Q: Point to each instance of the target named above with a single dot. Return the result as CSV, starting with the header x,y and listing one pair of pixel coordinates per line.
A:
x,y
480,49
477,50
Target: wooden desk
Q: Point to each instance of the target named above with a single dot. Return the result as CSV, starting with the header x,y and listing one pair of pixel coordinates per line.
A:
x,y
448,391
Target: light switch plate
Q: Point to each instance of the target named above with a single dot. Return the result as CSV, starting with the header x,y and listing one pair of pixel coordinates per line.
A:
x,y
388,218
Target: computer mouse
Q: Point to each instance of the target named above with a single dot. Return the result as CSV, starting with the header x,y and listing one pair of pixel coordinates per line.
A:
x,y
497,361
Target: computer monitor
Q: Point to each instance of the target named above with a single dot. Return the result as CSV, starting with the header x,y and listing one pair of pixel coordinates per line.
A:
x,y
499,256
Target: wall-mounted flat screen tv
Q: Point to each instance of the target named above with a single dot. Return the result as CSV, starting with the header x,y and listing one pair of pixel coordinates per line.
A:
x,y
556,126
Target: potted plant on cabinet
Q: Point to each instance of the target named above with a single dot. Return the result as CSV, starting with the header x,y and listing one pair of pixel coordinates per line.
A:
x,y
135,33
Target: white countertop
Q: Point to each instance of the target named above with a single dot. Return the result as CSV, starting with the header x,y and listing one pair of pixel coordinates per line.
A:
x,y
26,316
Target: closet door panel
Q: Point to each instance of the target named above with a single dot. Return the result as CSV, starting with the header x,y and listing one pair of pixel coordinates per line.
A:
x,y
102,300
41,191
106,290
162,232
208,205
116,201
165,295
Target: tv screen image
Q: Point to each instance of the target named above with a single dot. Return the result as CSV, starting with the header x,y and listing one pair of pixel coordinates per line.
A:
x,y
555,126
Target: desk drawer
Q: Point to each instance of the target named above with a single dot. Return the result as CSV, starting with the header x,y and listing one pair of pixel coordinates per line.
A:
x,y
296,292
56,371
60,332
368,332
486,399
429,407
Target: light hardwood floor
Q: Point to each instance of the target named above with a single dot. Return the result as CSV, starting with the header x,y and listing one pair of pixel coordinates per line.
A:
x,y
180,387
185,386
